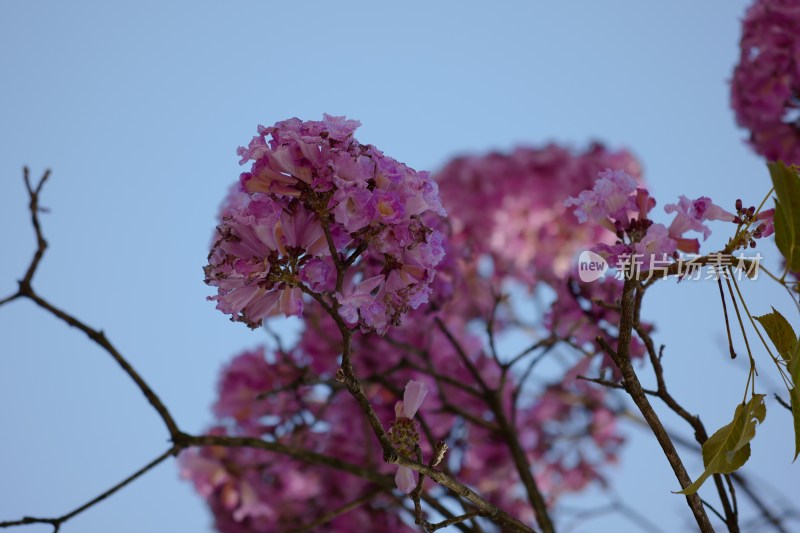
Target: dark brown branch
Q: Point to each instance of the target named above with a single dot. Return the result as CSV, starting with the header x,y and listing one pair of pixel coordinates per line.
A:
x,y
439,450
344,509
390,455
736,477
462,354
713,510
56,522
523,465
633,387
544,343
731,519
613,384
34,208
490,332
455,520
517,392
306,456
346,375
100,339
386,482
26,291
182,440
783,402
506,429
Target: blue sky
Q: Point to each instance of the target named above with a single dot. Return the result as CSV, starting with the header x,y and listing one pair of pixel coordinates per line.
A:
x,y
138,109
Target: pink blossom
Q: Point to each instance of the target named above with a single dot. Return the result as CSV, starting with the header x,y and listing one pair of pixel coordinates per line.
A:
x,y
253,490
313,197
767,226
387,206
609,198
571,438
403,433
509,207
358,298
251,390
576,317
412,398
319,274
353,208
690,214
655,244
301,231
766,81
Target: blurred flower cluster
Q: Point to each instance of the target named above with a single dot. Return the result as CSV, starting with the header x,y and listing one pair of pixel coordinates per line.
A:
x,y
334,231
765,89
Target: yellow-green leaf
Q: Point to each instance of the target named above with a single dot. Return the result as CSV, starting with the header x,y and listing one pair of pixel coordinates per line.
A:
x,y
787,212
794,395
729,447
780,332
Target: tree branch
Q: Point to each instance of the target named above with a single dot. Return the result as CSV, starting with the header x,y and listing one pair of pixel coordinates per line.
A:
x,y
633,387
56,522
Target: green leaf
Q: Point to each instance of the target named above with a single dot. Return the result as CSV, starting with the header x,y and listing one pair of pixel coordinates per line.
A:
x,y
794,364
729,447
787,212
794,396
780,332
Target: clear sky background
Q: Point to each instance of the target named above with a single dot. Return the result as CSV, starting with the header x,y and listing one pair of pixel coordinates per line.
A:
x,y
138,108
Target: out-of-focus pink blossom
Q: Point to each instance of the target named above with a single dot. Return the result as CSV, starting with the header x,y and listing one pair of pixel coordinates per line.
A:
x,y
576,317
765,89
252,390
576,436
509,207
263,395
656,243
610,198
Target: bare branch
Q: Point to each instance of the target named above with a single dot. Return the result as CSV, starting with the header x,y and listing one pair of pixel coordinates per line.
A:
x,y
26,291
56,522
344,509
633,387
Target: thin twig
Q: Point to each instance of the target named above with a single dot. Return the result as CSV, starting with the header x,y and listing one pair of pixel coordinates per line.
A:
x,y
56,522
332,515
506,429
26,291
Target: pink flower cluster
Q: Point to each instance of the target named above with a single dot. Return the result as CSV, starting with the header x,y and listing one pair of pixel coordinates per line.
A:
x,y
578,317
293,399
324,224
250,490
765,89
576,433
538,241
616,203
320,213
245,380
510,206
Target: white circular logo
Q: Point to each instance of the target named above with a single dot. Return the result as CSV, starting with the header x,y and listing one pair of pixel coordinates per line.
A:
x,y
591,266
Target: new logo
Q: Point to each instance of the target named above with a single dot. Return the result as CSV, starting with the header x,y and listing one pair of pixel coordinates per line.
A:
x,y
591,266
